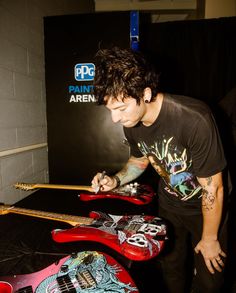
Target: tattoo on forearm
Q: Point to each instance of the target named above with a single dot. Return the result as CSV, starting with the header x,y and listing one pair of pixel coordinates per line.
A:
x,y
209,180
131,171
208,198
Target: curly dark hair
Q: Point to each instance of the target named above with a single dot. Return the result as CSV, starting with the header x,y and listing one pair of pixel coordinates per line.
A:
x,y
123,71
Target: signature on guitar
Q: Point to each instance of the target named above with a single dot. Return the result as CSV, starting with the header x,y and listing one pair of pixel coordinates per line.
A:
x,y
84,272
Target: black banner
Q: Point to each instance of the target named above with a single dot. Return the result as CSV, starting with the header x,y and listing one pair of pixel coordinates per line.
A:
x,y
81,136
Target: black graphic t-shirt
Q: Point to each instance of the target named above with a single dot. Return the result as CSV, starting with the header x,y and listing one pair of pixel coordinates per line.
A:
x,y
182,144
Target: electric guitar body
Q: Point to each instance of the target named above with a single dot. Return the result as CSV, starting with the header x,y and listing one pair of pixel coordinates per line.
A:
x,y
83,272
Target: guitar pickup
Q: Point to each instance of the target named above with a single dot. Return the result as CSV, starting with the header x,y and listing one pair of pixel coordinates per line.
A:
x,y
86,280
65,284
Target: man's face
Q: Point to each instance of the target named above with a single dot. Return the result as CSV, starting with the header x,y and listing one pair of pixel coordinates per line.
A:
x,y
127,112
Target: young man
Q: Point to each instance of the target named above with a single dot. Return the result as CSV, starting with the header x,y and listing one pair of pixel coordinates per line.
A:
x,y
178,136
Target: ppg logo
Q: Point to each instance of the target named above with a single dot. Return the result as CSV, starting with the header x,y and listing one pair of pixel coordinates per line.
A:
x,y
84,71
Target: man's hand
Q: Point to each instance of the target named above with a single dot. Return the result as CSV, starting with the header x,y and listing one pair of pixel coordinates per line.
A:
x,y
105,183
132,170
212,254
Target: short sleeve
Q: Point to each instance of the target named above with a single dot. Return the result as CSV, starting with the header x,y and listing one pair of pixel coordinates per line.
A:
x,y
206,147
134,150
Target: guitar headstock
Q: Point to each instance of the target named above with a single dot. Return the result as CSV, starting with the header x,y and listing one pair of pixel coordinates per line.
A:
x,y
25,186
4,209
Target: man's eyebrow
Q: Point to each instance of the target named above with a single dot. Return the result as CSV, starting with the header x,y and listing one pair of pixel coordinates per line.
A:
x,y
118,107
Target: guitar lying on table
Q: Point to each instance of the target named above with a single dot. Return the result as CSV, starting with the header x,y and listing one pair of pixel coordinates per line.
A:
x,y
137,237
139,194
87,271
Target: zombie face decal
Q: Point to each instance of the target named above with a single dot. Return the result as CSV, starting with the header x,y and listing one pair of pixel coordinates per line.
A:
x,y
173,165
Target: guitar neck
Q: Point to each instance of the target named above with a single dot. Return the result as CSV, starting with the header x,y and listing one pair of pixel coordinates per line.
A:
x,y
72,220
60,186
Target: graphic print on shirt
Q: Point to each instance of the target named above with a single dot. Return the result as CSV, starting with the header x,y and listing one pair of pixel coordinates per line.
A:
x,y
173,165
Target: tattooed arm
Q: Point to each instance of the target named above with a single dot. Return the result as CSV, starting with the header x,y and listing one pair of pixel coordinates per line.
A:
x,y
212,204
132,170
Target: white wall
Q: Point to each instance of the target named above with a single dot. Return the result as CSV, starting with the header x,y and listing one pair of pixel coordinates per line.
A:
x,y
23,125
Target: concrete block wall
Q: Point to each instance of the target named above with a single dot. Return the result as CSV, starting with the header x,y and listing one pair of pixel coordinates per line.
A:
x,y
23,123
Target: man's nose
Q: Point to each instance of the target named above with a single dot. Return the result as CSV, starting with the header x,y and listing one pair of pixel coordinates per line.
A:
x,y
115,116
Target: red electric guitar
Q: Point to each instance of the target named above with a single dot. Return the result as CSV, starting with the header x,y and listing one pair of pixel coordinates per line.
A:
x,y
139,194
87,271
137,237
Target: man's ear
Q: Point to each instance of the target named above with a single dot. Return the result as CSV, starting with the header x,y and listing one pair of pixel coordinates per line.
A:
x,y
147,95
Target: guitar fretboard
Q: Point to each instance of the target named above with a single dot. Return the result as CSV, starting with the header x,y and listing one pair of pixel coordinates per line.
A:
x,y
70,219
60,186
